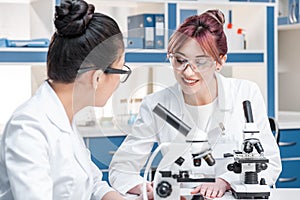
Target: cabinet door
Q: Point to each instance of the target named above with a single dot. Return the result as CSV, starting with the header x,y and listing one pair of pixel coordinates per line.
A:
x,y
289,143
103,148
289,178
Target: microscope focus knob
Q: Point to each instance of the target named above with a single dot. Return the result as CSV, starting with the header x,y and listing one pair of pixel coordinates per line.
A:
x,y
164,189
230,167
235,167
264,166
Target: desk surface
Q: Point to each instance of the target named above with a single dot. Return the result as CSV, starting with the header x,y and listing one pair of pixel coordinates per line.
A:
x,y
276,194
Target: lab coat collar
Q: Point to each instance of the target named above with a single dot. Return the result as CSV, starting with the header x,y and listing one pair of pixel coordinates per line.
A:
x,y
225,100
54,108
57,115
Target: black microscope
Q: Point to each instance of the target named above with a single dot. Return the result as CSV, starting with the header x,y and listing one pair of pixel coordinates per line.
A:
x,y
249,163
181,164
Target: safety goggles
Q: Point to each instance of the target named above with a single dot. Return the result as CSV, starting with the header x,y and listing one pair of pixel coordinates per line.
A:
x,y
198,64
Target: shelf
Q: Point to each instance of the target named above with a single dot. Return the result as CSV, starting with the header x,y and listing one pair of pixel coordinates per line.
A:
x,y
289,120
224,3
23,55
289,27
39,55
161,57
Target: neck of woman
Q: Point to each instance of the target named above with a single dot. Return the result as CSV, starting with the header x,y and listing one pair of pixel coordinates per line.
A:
x,y
204,96
64,92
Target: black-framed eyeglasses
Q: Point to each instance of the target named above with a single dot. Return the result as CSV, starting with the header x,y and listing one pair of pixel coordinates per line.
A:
x,y
124,72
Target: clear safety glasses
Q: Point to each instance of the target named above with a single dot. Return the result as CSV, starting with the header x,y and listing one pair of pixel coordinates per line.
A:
x,y
198,64
124,72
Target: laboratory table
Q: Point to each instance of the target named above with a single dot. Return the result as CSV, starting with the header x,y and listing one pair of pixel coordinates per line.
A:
x,y
276,194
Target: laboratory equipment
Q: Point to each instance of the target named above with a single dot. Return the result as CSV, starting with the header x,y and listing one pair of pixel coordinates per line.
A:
x,y
249,163
180,167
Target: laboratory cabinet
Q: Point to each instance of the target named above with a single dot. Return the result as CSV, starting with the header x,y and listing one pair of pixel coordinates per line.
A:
x,y
102,150
288,13
289,145
289,96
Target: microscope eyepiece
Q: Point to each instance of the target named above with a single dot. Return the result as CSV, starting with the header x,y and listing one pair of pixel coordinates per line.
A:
x,y
248,111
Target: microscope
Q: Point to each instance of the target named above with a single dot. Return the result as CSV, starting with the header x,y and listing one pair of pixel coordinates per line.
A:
x,y
249,163
180,167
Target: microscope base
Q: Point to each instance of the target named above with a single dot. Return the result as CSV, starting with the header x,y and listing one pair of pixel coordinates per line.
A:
x,y
249,191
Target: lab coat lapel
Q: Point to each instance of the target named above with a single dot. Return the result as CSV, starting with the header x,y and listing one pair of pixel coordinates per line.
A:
x,y
80,151
225,101
224,107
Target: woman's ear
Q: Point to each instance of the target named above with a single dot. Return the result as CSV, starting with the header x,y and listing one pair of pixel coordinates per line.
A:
x,y
223,59
96,78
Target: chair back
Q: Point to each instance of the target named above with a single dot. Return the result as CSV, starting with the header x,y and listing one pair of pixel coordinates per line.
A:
x,y
274,128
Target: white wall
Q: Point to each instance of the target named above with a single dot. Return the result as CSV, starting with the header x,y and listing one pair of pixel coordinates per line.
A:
x,y
19,20
289,70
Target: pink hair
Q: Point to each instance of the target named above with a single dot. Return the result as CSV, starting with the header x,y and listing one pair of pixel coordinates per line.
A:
x,y
207,29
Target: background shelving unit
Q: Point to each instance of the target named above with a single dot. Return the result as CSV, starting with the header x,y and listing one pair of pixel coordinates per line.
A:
x,y
36,22
21,20
288,95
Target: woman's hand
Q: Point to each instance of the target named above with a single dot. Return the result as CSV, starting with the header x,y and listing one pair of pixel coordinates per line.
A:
x,y
212,190
139,190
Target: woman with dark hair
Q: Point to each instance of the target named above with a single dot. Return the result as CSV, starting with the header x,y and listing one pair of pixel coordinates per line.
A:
x,y
202,98
42,155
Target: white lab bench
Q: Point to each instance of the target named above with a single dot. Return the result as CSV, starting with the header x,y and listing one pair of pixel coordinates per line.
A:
x,y
289,120
276,194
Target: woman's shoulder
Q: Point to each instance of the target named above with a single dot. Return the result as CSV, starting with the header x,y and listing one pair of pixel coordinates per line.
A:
x,y
27,113
167,92
241,84
31,111
169,97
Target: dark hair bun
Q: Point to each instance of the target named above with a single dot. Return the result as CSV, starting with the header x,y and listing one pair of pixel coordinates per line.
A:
x,y
72,17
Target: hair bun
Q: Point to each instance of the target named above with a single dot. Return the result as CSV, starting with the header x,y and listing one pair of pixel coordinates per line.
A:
x,y
217,15
72,17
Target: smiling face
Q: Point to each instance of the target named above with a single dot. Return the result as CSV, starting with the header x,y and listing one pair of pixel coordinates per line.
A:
x,y
197,74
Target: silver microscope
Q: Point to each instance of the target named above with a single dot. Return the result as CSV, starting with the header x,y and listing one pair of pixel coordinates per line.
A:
x,y
249,163
180,166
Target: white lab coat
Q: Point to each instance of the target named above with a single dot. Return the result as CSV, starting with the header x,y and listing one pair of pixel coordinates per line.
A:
x,y
43,157
149,128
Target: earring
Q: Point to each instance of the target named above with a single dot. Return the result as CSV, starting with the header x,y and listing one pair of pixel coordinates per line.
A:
x,y
217,69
